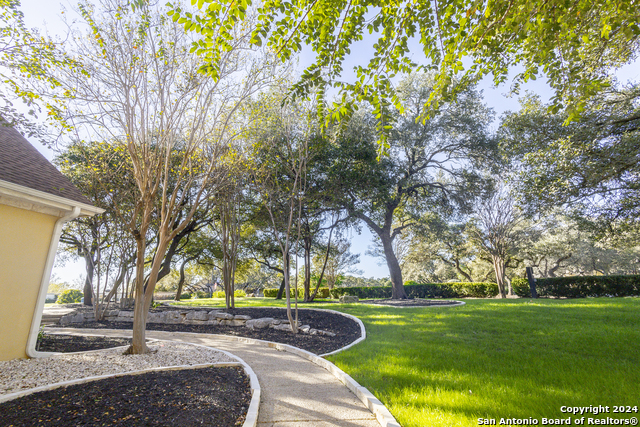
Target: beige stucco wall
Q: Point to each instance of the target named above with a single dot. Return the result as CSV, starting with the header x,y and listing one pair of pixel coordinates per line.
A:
x,y
24,244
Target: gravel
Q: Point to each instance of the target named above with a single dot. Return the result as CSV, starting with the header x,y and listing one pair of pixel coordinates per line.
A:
x,y
20,374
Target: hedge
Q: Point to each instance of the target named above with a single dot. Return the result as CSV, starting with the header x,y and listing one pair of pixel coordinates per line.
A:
x,y
426,290
584,286
272,293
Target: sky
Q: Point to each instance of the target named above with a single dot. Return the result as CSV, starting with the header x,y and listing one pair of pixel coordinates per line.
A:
x,y
46,14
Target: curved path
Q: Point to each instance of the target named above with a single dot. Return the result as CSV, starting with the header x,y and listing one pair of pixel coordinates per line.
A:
x,y
295,391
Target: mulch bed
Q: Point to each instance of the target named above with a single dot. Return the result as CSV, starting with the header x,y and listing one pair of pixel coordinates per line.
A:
x,y
70,343
190,397
416,302
346,330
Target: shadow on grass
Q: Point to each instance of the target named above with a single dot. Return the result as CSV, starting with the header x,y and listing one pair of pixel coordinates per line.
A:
x,y
493,359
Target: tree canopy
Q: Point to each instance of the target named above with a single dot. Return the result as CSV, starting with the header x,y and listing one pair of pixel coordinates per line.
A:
x,y
576,45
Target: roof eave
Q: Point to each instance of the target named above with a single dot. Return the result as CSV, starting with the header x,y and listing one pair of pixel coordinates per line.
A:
x,y
30,199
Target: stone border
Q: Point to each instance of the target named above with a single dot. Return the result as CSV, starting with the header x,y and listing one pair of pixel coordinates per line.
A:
x,y
363,331
455,303
251,418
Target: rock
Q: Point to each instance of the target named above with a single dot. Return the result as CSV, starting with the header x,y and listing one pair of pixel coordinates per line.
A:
x,y
313,331
259,323
173,317
124,313
238,322
197,315
348,299
281,327
72,318
224,316
241,317
156,317
277,322
305,328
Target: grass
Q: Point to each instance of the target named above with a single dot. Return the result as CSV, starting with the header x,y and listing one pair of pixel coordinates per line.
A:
x,y
494,359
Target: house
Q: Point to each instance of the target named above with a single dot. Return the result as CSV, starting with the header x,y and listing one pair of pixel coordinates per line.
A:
x,y
35,201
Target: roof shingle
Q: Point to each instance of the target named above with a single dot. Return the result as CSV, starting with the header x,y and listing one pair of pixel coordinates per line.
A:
x,y
21,163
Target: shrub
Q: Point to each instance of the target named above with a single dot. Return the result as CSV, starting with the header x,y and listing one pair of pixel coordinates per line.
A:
x,y
589,286
201,294
217,294
322,292
239,293
272,293
70,296
185,295
426,290
51,298
521,287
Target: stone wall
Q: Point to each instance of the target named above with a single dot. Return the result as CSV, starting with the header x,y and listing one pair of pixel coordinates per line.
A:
x,y
192,317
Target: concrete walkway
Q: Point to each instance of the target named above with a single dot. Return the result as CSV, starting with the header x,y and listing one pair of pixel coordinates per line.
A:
x,y
295,391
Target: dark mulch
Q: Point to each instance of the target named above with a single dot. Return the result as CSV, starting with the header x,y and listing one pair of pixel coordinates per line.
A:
x,y
416,302
346,330
70,343
190,397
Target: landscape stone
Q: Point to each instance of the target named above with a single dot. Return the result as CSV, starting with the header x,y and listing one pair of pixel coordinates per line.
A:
x,y
259,323
198,315
241,317
225,316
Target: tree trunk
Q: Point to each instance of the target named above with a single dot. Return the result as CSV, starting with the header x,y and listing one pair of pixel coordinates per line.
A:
x,y
397,287
138,342
287,289
307,268
182,277
88,281
498,268
283,284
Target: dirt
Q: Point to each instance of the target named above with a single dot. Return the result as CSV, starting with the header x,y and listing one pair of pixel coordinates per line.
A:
x,y
190,397
346,330
70,343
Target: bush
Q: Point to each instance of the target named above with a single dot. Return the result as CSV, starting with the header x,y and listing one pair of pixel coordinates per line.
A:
x,y
185,295
239,293
217,294
426,290
51,298
272,293
201,294
521,287
322,292
589,286
70,296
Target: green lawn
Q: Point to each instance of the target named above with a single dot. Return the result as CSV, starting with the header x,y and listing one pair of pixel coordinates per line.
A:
x,y
494,358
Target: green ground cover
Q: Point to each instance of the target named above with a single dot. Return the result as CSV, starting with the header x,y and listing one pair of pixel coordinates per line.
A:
x,y
495,359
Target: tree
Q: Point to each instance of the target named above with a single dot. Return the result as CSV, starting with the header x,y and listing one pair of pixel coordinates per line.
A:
x,y
574,44
339,262
441,240
496,231
27,57
589,166
429,167
145,94
280,152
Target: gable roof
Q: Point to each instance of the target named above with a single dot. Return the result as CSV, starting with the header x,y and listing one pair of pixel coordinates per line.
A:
x,y
22,164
